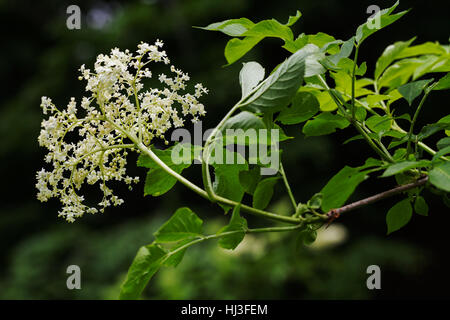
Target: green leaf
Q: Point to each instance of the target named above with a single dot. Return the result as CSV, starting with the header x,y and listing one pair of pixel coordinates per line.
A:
x,y
398,216
440,176
314,61
399,73
320,39
412,90
420,206
399,154
374,99
344,52
301,209
251,74
316,201
278,89
385,18
253,33
446,200
431,129
184,224
264,192
237,48
360,114
244,120
340,187
293,19
270,28
390,54
443,83
176,254
326,103
343,82
307,236
443,143
379,123
237,223
226,183
300,42
250,179
183,227
445,119
399,167
440,153
432,64
401,141
304,106
249,125
158,181
146,263
324,123
422,49
232,27
361,69
247,129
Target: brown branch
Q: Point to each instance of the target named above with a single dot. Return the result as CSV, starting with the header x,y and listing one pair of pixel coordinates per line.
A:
x,y
334,213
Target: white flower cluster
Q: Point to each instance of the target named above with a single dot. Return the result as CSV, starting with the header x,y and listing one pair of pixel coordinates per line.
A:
x,y
117,115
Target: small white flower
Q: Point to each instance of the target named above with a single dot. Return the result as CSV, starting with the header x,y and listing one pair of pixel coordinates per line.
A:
x,y
112,115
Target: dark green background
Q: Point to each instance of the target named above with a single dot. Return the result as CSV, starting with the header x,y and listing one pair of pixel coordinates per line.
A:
x,y
40,56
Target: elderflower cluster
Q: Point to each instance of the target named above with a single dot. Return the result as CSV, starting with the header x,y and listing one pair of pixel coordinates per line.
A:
x,y
89,143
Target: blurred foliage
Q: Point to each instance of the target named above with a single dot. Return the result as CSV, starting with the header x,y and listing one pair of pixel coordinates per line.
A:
x,y
40,56
261,268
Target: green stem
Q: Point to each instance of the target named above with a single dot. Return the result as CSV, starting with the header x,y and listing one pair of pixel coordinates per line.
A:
x,y
268,118
171,172
143,148
228,233
206,154
422,145
384,155
354,80
258,212
361,104
288,188
416,114
396,127
381,150
333,96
